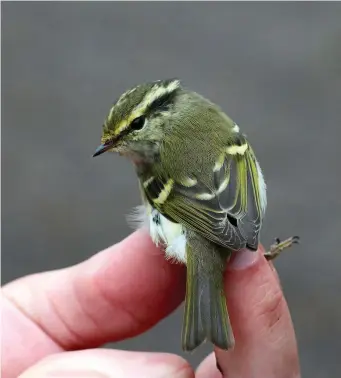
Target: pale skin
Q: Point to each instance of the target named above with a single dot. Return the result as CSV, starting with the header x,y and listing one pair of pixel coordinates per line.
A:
x,y
53,321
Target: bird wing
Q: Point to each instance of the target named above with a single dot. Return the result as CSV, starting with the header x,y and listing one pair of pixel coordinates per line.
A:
x,y
230,212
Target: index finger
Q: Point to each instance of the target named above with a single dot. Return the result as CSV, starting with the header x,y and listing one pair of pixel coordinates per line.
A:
x,y
116,294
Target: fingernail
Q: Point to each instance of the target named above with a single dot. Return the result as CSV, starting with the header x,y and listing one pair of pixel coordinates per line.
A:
x,y
244,259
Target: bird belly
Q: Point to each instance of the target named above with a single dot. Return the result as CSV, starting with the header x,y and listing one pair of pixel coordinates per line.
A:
x,y
162,231
172,235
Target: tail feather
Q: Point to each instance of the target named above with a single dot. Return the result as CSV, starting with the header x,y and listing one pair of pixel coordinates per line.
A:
x,y
206,315
192,333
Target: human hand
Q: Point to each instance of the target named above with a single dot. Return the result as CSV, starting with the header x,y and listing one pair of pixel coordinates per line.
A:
x,y
51,320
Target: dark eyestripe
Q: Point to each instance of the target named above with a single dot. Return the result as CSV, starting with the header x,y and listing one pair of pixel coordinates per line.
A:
x,y
162,103
124,132
116,138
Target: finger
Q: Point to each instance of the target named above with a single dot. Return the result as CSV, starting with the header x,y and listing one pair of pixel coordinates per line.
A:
x,y
274,271
208,368
118,293
109,363
265,339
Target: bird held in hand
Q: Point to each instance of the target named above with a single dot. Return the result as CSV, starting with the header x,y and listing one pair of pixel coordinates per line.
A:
x,y
203,191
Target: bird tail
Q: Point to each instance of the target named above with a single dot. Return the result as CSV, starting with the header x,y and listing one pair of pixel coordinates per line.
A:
x,y
205,315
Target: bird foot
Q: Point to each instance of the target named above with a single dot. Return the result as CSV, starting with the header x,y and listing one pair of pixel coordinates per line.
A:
x,y
278,246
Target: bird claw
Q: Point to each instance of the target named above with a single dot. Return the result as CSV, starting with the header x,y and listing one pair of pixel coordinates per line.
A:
x,y
278,246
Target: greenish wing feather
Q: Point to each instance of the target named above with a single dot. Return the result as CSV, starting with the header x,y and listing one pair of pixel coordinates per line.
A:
x,y
229,213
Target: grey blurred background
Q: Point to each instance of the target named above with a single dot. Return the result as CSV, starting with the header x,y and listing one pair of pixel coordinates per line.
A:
x,y
274,67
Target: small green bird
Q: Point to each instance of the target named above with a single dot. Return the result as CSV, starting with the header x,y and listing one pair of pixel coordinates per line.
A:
x,y
203,192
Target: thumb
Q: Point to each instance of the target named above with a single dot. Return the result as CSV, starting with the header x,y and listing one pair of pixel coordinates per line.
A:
x,y
105,363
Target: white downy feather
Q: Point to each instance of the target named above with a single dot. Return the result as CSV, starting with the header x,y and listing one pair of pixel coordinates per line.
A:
x,y
161,230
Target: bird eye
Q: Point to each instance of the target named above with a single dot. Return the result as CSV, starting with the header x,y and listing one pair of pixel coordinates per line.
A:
x,y
138,123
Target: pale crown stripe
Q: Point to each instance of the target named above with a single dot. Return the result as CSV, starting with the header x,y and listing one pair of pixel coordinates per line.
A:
x,y
155,93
